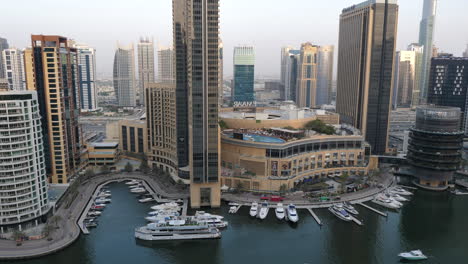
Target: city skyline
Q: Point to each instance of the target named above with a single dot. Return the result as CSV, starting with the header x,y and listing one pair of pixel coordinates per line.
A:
x,y
268,44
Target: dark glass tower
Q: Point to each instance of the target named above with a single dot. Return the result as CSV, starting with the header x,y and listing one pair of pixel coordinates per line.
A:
x,y
448,84
365,68
244,72
3,45
196,39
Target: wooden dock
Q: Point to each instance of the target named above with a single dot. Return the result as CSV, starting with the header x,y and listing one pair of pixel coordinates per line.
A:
x,y
314,216
373,209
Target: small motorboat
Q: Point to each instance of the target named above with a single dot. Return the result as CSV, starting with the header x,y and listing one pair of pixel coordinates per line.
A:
x,y
263,211
90,225
102,200
94,213
349,208
396,197
386,202
232,209
146,200
339,211
254,209
413,255
97,207
279,211
132,182
138,190
292,213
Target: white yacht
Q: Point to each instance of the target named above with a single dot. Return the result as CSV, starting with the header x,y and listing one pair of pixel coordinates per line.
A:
x,y
94,213
386,202
232,209
396,197
132,182
102,200
349,208
211,222
413,255
176,230
138,190
279,211
254,209
339,211
400,191
164,212
146,200
263,211
291,213
166,206
104,195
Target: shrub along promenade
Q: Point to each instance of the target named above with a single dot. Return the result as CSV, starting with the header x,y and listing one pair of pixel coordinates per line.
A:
x,y
68,213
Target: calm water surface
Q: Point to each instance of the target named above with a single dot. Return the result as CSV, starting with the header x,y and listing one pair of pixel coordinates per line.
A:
x,y
433,222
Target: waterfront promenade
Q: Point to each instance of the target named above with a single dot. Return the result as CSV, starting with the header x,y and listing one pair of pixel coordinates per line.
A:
x,y
68,230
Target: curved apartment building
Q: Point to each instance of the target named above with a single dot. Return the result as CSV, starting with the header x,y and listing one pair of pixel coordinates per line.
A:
x,y
23,182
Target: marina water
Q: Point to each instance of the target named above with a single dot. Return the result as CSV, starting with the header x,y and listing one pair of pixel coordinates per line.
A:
x,y
436,223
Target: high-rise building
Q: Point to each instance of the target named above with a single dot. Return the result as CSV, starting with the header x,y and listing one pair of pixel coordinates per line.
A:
x,y
324,75
54,65
165,65
426,32
23,188
13,64
434,149
86,94
405,78
3,45
161,124
221,72
283,71
448,84
465,53
244,74
365,68
124,76
290,75
145,66
307,76
197,84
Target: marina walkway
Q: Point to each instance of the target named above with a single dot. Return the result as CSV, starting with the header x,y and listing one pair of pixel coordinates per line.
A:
x,y
373,209
314,216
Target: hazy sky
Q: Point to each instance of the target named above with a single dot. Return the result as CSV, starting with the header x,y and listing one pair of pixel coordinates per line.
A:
x,y
267,24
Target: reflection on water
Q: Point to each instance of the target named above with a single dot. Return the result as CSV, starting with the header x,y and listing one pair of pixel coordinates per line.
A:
x,y
432,222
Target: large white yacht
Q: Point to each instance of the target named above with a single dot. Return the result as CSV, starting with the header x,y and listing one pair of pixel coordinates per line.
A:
x,y
339,211
279,211
254,209
400,191
176,230
263,211
386,202
291,213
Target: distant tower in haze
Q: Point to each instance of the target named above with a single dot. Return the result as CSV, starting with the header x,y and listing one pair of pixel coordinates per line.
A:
x,y
124,76
283,70
221,72
465,53
165,65
324,75
307,76
426,32
13,64
145,66
365,68
3,45
244,72
87,75
291,59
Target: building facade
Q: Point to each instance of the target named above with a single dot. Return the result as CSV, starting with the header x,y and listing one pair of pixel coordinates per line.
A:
x,y
196,40
405,79
244,74
435,144
86,94
23,178
145,66
165,65
124,76
161,124
325,75
426,32
290,75
3,46
54,67
13,64
307,76
267,166
365,68
103,154
448,84
133,137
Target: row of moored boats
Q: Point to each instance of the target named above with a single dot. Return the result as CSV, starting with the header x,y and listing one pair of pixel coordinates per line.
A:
x,y
393,198
261,211
99,204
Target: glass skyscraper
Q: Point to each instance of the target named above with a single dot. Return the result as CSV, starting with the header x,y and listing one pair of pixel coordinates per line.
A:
x,y
244,74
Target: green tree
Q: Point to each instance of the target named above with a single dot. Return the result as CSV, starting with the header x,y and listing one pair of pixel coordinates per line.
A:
x,y
239,186
128,167
222,124
283,188
320,127
89,173
344,177
144,165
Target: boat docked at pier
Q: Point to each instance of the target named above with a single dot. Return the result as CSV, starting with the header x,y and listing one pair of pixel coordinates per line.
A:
x,y
386,202
339,211
176,230
263,211
138,190
291,213
146,200
400,191
350,208
254,209
279,211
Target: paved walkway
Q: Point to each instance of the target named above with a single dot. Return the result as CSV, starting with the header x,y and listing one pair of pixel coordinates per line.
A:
x,y
69,230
